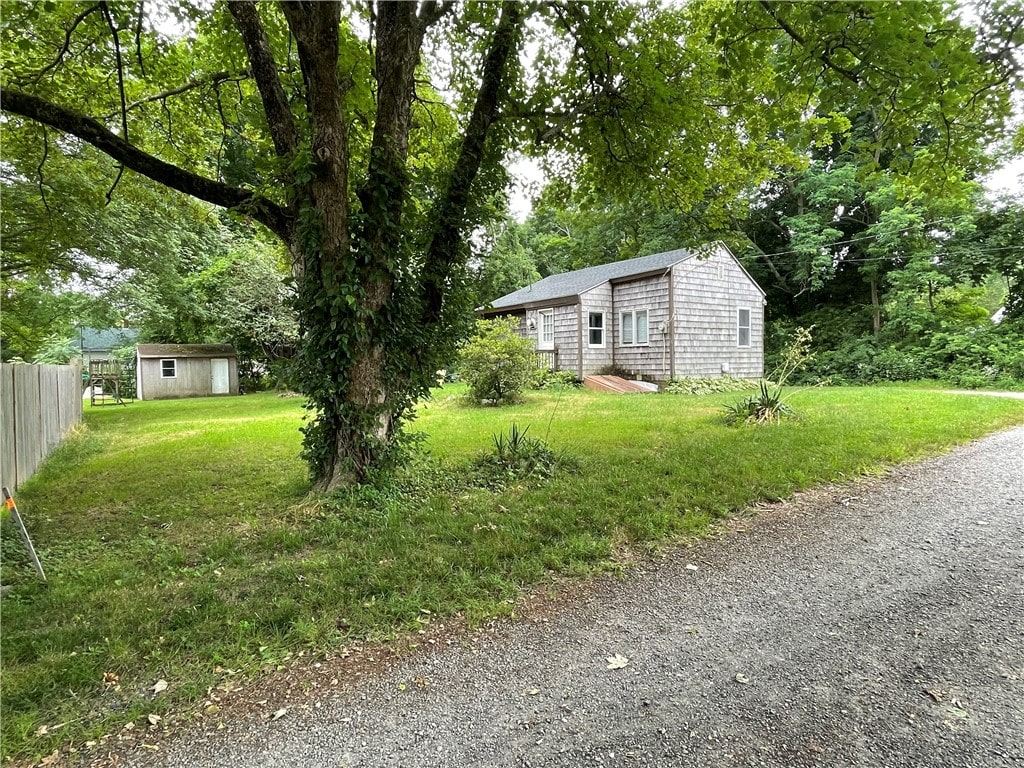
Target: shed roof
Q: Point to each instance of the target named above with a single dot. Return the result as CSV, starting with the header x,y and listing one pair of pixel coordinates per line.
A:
x,y
186,350
574,283
103,339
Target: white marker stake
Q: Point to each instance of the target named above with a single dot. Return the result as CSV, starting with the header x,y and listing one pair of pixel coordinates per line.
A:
x,y
9,503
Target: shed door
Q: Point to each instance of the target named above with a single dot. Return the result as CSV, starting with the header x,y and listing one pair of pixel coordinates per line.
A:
x,y
221,379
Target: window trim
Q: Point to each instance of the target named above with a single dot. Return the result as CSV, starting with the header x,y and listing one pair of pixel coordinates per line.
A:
x,y
174,368
740,327
591,328
633,327
545,346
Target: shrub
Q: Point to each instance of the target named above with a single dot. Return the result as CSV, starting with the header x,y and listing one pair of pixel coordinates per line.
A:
x,y
496,362
705,385
768,406
545,378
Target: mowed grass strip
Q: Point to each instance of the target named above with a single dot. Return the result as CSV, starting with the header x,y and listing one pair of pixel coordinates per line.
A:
x,y
178,537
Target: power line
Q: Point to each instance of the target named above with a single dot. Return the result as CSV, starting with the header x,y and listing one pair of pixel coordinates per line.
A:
x,y
865,259
854,239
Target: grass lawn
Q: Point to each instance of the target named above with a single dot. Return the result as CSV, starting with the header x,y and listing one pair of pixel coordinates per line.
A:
x,y
179,540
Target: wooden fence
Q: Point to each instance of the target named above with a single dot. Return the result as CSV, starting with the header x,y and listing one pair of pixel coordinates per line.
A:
x,y
39,404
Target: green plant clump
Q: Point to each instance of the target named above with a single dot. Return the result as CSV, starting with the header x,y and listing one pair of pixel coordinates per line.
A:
x,y
705,385
768,405
546,378
517,457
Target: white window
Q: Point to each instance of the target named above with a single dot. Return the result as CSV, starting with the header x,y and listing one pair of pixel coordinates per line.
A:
x,y
168,369
633,328
546,334
743,327
595,329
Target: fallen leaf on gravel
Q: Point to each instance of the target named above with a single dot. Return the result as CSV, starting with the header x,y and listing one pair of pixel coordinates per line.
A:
x,y
936,695
153,718
741,678
279,714
158,686
50,759
618,661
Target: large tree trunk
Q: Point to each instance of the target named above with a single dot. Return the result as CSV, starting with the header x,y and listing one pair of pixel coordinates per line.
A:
x,y
359,425
378,377
876,307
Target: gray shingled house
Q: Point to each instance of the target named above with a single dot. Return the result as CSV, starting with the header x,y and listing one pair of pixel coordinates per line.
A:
x,y
680,313
165,371
100,343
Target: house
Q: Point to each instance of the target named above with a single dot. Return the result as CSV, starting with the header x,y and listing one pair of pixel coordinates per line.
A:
x,y
680,313
100,343
165,371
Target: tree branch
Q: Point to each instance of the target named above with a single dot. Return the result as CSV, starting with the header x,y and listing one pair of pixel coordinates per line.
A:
x,y
275,217
444,244
215,79
120,91
39,173
432,11
264,71
66,47
823,57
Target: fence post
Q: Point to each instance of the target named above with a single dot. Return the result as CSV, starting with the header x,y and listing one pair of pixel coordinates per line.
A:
x,y
8,443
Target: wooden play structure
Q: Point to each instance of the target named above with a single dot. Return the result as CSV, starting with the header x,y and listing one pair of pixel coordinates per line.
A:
x,y
107,384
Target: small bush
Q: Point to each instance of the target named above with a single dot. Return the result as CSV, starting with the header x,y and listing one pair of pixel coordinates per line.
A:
x,y
545,378
497,363
705,385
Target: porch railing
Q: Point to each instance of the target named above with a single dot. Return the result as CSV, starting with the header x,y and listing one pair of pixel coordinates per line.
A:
x,y
548,359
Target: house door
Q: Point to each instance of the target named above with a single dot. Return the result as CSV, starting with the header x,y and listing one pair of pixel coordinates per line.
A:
x,y
221,378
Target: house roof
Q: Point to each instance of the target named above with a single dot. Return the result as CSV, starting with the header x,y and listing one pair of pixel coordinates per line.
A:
x,y
186,350
103,339
569,284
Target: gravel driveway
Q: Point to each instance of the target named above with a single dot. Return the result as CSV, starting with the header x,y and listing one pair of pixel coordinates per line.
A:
x,y
875,624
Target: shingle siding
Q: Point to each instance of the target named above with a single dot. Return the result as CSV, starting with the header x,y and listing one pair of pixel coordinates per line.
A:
x,y
566,334
598,299
708,294
653,360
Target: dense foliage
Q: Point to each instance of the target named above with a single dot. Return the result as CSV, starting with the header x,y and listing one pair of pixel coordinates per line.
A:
x,y
496,362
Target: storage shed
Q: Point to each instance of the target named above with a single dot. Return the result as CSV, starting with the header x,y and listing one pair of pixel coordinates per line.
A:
x,y
165,371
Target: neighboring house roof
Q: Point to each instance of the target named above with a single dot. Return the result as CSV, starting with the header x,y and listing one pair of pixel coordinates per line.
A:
x,y
569,285
103,339
186,350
